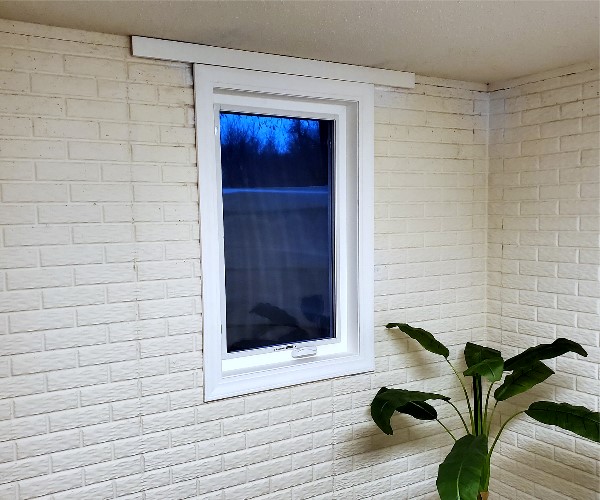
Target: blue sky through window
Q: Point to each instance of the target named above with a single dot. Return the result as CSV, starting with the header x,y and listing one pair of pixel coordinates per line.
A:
x,y
265,129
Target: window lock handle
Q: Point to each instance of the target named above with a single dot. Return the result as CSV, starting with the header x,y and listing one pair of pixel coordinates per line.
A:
x,y
304,352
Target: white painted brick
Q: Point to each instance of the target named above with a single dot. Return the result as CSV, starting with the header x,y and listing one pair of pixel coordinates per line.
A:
x,y
74,255
136,291
100,192
176,95
586,107
171,173
50,443
65,214
109,353
22,428
44,403
218,482
184,489
40,320
76,296
107,393
16,148
21,343
66,171
106,273
139,368
162,154
579,141
63,85
140,444
81,457
119,332
73,129
79,377
31,105
111,431
37,278
19,301
13,80
161,193
165,346
177,135
51,483
141,407
104,151
167,383
184,435
169,75
138,212
38,192
24,469
17,214
166,308
122,90
153,113
15,126
103,233
95,67
17,170
79,417
95,315
562,127
129,132
40,362
185,250
112,470
142,482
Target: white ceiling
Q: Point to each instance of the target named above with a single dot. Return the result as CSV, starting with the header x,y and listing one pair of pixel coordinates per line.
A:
x,y
480,41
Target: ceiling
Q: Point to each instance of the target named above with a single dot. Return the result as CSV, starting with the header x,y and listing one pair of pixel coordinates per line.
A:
x,y
479,41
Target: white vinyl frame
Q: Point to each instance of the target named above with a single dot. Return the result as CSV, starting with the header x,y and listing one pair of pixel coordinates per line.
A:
x,y
350,104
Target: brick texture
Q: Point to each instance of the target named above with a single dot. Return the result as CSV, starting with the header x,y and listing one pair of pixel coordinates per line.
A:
x,y
543,263
100,308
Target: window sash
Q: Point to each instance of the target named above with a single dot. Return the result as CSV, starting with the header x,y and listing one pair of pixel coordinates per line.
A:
x,y
279,106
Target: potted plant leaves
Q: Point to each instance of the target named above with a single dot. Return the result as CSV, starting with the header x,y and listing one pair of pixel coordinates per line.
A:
x,y
465,472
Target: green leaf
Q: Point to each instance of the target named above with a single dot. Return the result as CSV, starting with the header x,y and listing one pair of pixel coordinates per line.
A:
x,y
577,419
423,337
387,401
460,473
491,369
522,380
543,351
418,409
477,353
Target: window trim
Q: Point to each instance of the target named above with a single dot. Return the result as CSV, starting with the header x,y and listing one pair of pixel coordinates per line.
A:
x,y
212,82
170,50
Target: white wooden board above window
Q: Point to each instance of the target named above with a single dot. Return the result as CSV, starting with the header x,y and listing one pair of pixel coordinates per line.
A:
x,y
285,158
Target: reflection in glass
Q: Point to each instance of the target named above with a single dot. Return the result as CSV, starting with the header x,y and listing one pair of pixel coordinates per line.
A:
x,y
277,178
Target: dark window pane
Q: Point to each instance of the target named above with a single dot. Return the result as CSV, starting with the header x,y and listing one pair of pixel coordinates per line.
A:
x,y
278,228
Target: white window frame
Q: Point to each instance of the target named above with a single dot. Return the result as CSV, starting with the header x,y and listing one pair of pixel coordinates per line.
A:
x,y
350,104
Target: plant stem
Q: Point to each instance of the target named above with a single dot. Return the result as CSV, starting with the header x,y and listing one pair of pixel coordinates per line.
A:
x,y
446,429
491,418
459,414
501,429
477,404
466,394
487,400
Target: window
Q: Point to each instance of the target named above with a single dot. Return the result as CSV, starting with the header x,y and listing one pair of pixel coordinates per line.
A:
x,y
286,215
277,180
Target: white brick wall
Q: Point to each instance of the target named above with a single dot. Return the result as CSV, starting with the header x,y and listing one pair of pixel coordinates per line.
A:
x,y
100,310
543,266
101,371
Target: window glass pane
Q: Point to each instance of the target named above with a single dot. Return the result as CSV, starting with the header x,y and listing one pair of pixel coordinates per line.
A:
x,y
277,178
